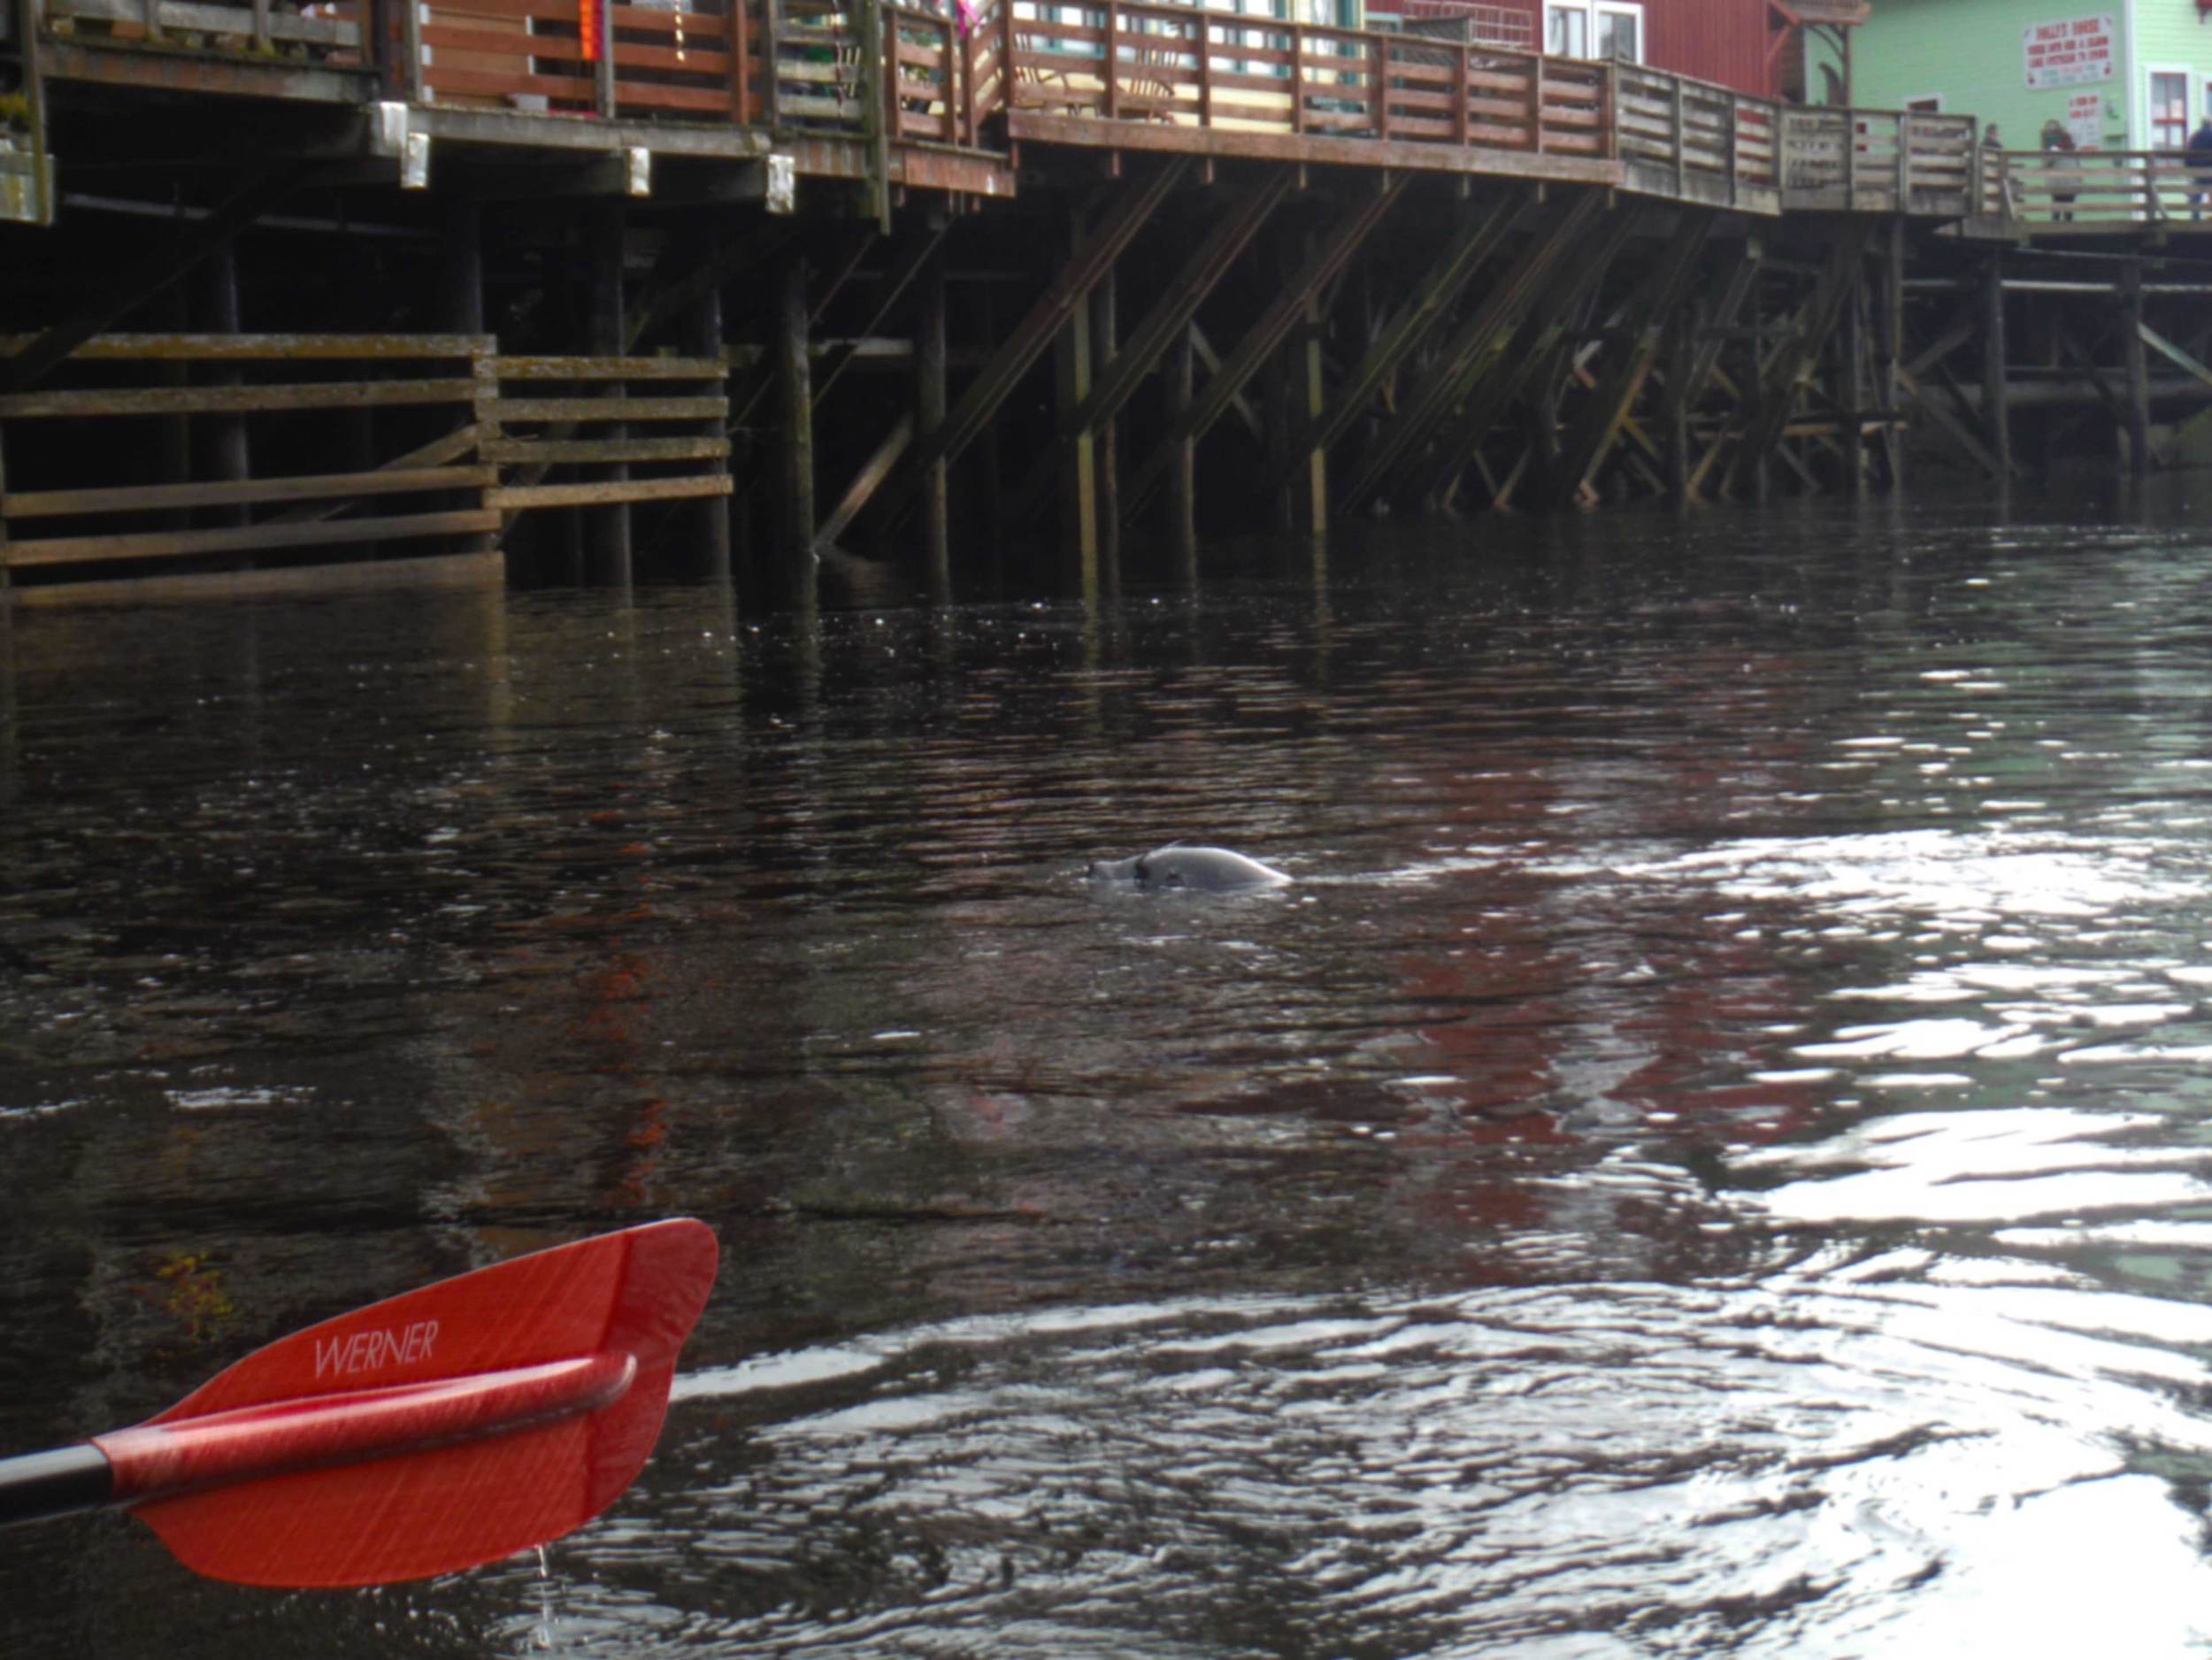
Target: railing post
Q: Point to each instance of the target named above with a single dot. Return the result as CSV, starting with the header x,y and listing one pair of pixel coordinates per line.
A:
x,y
261,41
1536,105
1680,136
1007,78
603,71
1461,92
950,79
1297,76
1109,77
1734,158
1904,162
1379,80
1202,38
739,42
410,48
771,61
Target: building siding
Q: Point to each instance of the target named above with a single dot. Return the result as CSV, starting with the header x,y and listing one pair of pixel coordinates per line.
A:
x,y
1968,53
1721,41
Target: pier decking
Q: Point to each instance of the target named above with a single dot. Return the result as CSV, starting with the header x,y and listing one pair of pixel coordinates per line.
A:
x,y
1451,275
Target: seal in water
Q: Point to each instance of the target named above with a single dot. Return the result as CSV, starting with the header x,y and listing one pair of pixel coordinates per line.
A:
x,y
1203,870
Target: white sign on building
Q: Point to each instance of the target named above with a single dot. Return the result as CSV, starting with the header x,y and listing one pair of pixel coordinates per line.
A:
x,y
2085,119
2069,53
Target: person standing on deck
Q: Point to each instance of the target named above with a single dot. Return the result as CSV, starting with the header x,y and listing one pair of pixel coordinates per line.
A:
x,y
2198,149
2057,138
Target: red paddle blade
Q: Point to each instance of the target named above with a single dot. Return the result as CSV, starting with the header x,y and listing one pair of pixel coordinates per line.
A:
x,y
423,1502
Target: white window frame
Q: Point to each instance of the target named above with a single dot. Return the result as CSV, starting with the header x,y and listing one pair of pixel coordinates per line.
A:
x,y
1929,103
2190,80
1590,11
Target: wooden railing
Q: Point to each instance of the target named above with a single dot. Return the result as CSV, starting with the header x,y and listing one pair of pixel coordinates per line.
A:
x,y
1135,60
2055,193
1699,141
1877,161
266,416
360,441
907,72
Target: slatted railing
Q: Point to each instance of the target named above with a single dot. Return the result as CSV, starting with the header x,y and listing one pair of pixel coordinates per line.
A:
x,y
1877,161
910,73
102,468
1689,139
592,432
2098,190
1139,61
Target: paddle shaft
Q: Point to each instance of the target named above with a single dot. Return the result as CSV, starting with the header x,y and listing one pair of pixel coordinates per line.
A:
x,y
155,1461
43,1484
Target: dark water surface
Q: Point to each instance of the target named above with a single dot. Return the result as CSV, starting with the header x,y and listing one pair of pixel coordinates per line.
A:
x,y
1711,1155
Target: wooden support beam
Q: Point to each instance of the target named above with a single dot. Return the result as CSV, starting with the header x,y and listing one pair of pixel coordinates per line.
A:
x,y
1893,346
794,376
1240,405
1424,311
1996,370
931,392
227,455
1211,260
607,526
1785,367
701,338
2138,364
1117,380
1067,292
912,262
1939,410
1470,353
1106,429
1682,332
1599,428
1182,477
1330,255
1539,355
1074,449
1850,389
865,483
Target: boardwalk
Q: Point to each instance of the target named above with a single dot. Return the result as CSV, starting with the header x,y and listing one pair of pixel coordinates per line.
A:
x,y
1454,275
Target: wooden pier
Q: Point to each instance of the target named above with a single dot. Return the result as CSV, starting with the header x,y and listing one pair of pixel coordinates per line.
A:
x,y
307,295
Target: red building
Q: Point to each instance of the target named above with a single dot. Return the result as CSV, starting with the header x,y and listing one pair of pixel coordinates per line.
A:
x,y
1754,46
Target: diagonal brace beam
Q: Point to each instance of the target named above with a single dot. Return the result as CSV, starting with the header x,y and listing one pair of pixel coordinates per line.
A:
x,y
1498,377
1258,343
1471,351
1423,311
1070,288
1600,426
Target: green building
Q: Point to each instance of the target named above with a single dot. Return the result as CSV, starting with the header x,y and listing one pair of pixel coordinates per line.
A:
x,y
2117,74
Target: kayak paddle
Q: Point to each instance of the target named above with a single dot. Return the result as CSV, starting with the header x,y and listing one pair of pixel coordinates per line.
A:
x,y
422,1434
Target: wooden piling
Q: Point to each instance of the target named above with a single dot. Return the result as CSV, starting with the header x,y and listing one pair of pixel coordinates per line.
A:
x,y
1851,387
795,470
2138,362
1106,432
1182,472
229,458
607,535
1078,458
930,383
1996,371
702,335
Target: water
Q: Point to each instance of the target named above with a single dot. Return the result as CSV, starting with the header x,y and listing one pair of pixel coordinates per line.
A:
x,y
1710,1156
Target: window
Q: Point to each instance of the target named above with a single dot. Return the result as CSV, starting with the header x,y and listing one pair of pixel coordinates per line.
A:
x,y
1925,106
1621,33
1567,31
2169,110
1595,28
